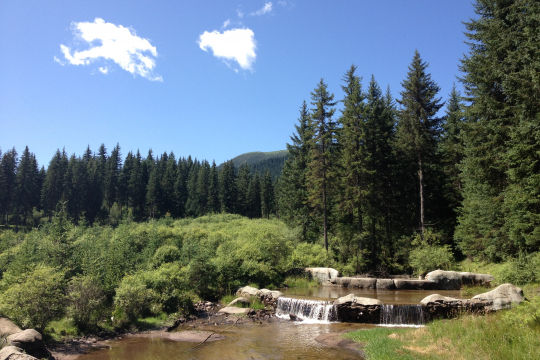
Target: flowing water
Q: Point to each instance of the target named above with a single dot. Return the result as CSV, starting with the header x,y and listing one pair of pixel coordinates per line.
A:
x,y
312,311
402,315
277,340
282,339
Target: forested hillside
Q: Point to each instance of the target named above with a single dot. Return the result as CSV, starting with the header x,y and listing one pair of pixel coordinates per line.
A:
x,y
262,162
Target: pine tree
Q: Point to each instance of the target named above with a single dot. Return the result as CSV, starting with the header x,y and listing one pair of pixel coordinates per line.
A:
x,y
353,156
112,174
243,179
26,185
9,165
267,195
136,186
53,187
180,188
167,184
192,203
323,149
501,209
254,195
419,127
227,188
213,191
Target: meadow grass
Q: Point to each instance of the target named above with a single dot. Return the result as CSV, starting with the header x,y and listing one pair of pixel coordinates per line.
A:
x,y
507,334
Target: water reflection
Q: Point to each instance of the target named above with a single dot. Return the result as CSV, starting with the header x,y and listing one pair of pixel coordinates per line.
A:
x,y
386,296
283,340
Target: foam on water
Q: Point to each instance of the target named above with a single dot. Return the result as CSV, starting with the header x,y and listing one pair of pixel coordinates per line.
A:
x,y
310,311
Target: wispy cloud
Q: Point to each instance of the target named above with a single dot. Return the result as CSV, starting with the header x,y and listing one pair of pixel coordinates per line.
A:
x,y
240,13
282,3
226,23
112,42
232,45
265,9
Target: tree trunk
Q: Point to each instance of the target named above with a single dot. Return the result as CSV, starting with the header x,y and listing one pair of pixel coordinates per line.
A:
x,y
421,179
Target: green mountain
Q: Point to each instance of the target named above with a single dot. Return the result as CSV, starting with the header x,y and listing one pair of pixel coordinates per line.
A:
x,y
260,162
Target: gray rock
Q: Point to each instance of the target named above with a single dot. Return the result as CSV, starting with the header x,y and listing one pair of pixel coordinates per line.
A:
x,y
323,274
238,300
234,311
385,284
29,340
361,283
14,353
358,300
436,297
247,291
269,294
7,327
445,280
468,278
503,297
402,284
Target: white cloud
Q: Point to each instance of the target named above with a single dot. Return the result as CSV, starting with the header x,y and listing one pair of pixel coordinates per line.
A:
x,y
236,44
112,42
240,13
226,23
265,9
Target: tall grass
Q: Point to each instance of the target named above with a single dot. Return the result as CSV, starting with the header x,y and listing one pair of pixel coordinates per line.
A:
x,y
509,334
301,282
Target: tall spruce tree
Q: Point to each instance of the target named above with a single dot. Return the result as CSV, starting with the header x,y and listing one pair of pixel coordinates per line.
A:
x,y
501,208
53,187
353,159
267,195
419,128
9,165
213,190
323,150
227,188
26,185
292,192
243,180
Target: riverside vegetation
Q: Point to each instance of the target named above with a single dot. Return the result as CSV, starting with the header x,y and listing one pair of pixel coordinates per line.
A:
x,y
387,185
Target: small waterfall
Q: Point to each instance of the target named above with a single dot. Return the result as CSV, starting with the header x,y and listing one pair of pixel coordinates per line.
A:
x,y
402,315
307,310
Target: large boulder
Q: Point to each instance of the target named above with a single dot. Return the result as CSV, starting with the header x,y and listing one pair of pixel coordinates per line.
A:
x,y
445,280
14,353
7,327
351,298
238,300
385,284
361,283
503,297
29,340
233,310
266,294
468,278
323,274
437,298
404,284
247,291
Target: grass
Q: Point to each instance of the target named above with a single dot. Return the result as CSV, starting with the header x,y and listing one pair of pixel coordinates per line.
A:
x,y
301,282
60,329
509,334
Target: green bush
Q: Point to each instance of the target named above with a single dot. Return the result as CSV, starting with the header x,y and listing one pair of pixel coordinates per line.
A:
x,y
521,270
85,300
132,297
429,255
166,254
309,255
33,299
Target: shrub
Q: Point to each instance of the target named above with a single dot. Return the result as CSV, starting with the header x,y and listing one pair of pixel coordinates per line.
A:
x,y
309,255
33,299
85,299
521,270
132,297
429,255
166,254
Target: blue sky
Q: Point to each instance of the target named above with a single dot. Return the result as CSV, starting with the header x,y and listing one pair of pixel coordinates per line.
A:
x,y
146,75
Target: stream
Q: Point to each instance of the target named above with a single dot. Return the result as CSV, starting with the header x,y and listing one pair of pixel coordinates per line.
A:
x,y
276,340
